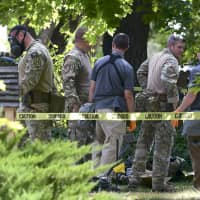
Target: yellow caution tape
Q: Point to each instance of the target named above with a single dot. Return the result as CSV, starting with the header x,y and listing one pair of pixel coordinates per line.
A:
x,y
139,89
111,116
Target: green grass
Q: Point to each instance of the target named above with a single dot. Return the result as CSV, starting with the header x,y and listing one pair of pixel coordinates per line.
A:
x,y
184,192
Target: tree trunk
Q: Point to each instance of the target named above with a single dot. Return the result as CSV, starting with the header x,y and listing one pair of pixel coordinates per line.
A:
x,y
60,39
46,34
138,31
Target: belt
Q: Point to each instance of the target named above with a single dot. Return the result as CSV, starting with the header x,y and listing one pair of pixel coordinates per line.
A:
x,y
162,97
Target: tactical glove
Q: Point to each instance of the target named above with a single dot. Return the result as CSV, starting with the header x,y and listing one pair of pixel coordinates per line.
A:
x,y
174,123
132,126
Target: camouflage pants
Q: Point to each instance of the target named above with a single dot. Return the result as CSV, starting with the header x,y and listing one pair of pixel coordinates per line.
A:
x,y
38,129
82,136
162,133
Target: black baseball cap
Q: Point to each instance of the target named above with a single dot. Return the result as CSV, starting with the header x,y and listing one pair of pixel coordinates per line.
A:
x,y
19,28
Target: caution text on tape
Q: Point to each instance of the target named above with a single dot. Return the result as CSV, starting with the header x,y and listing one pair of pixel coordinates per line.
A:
x,y
111,116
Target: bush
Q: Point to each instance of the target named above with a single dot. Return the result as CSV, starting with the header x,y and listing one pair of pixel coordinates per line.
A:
x,y
46,171
59,130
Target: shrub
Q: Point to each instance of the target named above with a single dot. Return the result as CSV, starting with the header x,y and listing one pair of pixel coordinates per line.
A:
x,y
46,171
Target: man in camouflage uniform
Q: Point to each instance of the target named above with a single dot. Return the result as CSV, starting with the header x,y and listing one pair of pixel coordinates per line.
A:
x,y
76,73
159,75
35,79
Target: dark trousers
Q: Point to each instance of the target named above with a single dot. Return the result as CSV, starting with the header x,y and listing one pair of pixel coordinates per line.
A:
x,y
194,148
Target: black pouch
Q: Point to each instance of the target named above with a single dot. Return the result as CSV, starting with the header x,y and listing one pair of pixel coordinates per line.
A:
x,y
57,103
27,99
169,107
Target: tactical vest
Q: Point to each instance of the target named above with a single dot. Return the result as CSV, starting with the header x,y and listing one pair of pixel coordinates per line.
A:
x,y
45,83
83,78
154,82
154,99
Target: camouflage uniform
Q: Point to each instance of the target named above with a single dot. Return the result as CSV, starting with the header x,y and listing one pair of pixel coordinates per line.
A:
x,y
158,74
36,74
76,79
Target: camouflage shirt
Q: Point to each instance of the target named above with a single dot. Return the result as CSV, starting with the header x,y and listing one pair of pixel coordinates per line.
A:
x,y
160,74
36,70
76,73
